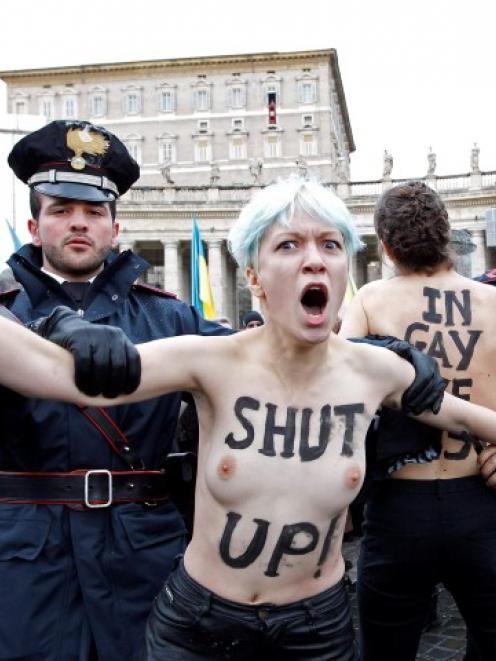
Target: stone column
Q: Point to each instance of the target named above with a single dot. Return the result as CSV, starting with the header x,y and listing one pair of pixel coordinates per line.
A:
x,y
374,271
215,273
479,254
353,270
171,265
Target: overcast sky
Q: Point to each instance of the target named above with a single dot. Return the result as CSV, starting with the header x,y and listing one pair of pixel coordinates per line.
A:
x,y
415,74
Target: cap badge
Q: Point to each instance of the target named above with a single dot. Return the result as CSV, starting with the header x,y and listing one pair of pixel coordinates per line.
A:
x,y
84,141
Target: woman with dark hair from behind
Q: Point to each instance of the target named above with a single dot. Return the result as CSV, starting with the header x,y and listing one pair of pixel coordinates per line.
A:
x,y
430,517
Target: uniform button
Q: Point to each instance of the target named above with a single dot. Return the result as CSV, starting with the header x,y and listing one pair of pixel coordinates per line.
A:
x,y
263,613
115,297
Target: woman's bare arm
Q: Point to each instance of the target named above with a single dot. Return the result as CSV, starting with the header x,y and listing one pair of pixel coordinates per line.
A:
x,y
458,415
455,414
33,366
38,368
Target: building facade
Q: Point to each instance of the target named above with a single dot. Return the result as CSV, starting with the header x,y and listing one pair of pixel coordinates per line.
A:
x,y
14,202
208,132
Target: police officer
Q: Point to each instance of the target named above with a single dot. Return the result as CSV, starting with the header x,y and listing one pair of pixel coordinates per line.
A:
x,y
78,577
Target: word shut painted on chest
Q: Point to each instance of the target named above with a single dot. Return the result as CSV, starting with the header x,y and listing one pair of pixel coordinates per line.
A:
x,y
446,333
290,431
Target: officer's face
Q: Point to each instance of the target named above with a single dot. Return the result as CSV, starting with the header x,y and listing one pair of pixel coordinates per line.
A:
x,y
75,236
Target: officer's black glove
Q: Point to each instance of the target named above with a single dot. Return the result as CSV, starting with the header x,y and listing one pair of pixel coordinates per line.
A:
x,y
427,389
105,360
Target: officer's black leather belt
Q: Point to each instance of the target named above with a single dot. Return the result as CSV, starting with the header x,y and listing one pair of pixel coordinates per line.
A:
x,y
92,488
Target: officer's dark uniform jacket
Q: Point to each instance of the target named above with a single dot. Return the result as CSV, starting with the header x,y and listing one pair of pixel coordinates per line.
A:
x,y
59,566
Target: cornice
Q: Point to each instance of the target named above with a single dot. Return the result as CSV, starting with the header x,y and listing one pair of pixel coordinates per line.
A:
x,y
249,58
178,214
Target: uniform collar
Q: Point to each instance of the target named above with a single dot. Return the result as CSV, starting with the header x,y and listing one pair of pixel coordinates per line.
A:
x,y
112,284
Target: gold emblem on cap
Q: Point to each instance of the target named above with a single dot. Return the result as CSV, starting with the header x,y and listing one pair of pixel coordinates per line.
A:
x,y
84,141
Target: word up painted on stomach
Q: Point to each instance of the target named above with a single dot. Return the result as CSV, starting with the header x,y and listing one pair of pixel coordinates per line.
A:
x,y
287,543
288,431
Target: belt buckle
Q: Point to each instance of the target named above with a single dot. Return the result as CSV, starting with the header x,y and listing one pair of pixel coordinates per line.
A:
x,y
87,502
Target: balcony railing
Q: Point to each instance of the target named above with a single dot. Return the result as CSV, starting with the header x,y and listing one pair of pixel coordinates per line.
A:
x,y
236,194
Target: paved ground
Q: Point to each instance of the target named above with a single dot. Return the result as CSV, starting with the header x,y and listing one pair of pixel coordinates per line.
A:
x,y
443,642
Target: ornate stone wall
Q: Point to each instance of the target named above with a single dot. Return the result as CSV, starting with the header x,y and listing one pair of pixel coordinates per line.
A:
x,y
201,129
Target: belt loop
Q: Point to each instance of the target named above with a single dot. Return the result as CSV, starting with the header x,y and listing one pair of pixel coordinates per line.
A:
x,y
177,561
308,610
206,605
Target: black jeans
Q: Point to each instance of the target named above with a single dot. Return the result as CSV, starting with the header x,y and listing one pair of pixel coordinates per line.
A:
x,y
189,623
418,533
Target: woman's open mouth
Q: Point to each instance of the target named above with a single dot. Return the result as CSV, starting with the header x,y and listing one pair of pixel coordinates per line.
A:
x,y
314,300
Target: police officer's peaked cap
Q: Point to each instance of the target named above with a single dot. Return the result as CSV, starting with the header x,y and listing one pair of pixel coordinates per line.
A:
x,y
76,160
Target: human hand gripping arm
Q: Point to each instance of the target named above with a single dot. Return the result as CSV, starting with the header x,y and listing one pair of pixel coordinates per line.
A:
x,y
487,464
451,414
38,368
106,361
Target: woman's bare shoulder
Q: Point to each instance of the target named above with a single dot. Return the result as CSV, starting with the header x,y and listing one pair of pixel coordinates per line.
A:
x,y
367,356
380,367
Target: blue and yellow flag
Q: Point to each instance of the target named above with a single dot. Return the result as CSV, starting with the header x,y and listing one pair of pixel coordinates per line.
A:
x,y
351,289
9,242
201,291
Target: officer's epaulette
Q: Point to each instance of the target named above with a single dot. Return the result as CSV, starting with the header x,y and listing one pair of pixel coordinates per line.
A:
x,y
7,296
154,290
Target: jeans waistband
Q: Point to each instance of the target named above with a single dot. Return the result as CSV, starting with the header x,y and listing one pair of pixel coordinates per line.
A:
x,y
335,596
